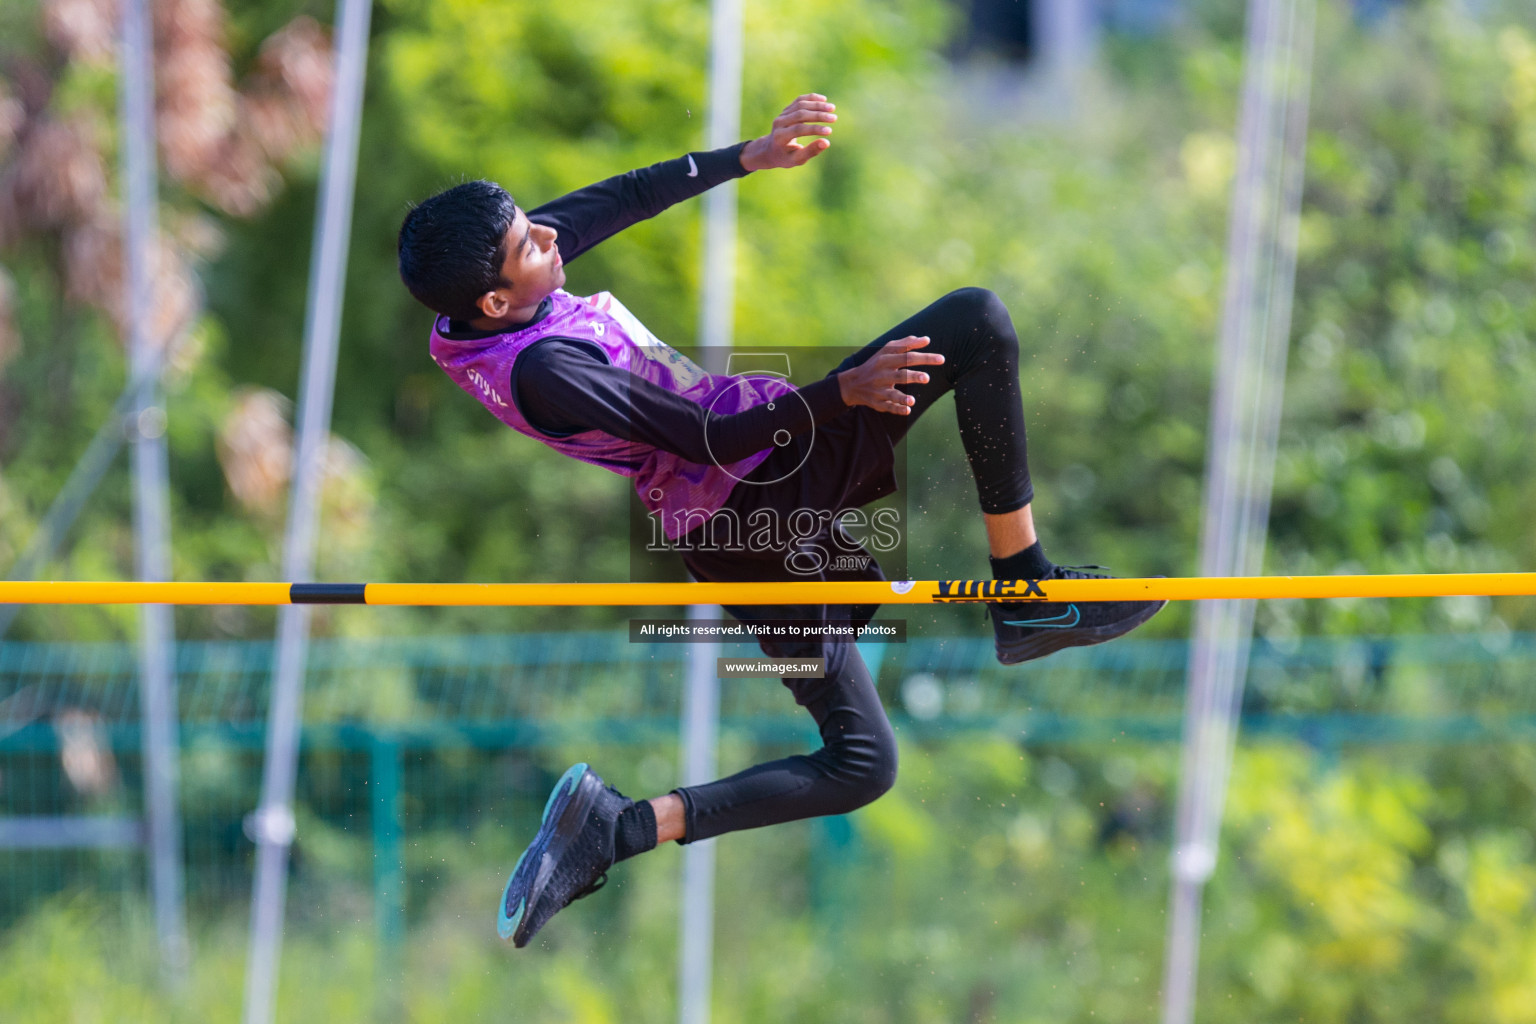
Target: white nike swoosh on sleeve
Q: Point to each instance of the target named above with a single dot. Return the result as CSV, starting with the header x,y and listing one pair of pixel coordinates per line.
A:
x,y
693,168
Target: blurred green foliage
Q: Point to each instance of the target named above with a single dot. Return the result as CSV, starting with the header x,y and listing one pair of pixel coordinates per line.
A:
x,y
994,884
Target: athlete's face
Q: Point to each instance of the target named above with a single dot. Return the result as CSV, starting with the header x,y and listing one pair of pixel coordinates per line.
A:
x,y
532,266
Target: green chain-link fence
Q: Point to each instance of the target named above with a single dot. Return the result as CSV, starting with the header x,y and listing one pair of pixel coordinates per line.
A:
x,y
409,742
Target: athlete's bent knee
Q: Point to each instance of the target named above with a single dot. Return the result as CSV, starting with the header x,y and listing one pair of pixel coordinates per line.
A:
x,y
880,774
981,310
865,769
977,301
882,777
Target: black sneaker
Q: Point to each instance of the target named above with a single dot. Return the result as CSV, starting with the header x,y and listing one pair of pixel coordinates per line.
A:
x,y
1032,629
568,859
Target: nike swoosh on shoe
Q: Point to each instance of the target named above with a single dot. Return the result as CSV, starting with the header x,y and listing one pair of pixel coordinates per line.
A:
x,y
1061,621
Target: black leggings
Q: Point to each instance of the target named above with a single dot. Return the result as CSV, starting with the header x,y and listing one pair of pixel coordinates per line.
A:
x,y
971,329
857,761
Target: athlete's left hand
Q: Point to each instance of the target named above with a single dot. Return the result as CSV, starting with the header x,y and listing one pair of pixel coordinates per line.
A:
x,y
809,115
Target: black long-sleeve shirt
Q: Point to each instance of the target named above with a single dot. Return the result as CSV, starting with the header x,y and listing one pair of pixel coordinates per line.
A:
x,y
564,386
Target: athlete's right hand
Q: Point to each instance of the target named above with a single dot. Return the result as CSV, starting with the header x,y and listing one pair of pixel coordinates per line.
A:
x,y
873,382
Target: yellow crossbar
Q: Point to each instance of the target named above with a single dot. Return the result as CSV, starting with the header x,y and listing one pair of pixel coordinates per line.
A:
x,y
800,593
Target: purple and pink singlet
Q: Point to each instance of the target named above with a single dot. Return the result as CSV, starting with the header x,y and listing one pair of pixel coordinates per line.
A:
x,y
668,485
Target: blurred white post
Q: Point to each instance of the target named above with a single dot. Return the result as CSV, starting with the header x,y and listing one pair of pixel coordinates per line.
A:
x,y
1245,417
1066,44
151,503
701,739
701,700
272,824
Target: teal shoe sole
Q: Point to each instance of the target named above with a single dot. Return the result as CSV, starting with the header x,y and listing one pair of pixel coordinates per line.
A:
x,y
566,807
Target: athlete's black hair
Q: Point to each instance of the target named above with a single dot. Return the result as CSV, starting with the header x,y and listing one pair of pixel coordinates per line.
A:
x,y
452,247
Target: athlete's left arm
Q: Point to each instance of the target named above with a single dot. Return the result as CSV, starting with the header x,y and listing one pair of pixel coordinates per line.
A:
x,y
589,215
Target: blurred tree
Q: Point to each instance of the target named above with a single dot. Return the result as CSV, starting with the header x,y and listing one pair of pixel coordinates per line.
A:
x,y
1404,446
223,149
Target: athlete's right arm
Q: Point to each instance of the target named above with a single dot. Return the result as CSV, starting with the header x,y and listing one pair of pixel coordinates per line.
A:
x,y
565,387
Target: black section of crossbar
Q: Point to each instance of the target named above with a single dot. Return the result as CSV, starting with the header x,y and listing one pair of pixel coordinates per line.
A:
x,y
327,593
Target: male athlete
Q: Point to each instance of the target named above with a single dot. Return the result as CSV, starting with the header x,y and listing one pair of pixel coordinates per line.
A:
x,y
707,451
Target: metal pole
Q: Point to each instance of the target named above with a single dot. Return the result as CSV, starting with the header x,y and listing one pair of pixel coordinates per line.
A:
x,y
388,875
701,740
701,704
1065,41
719,285
272,825
151,505
1245,413
1067,37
